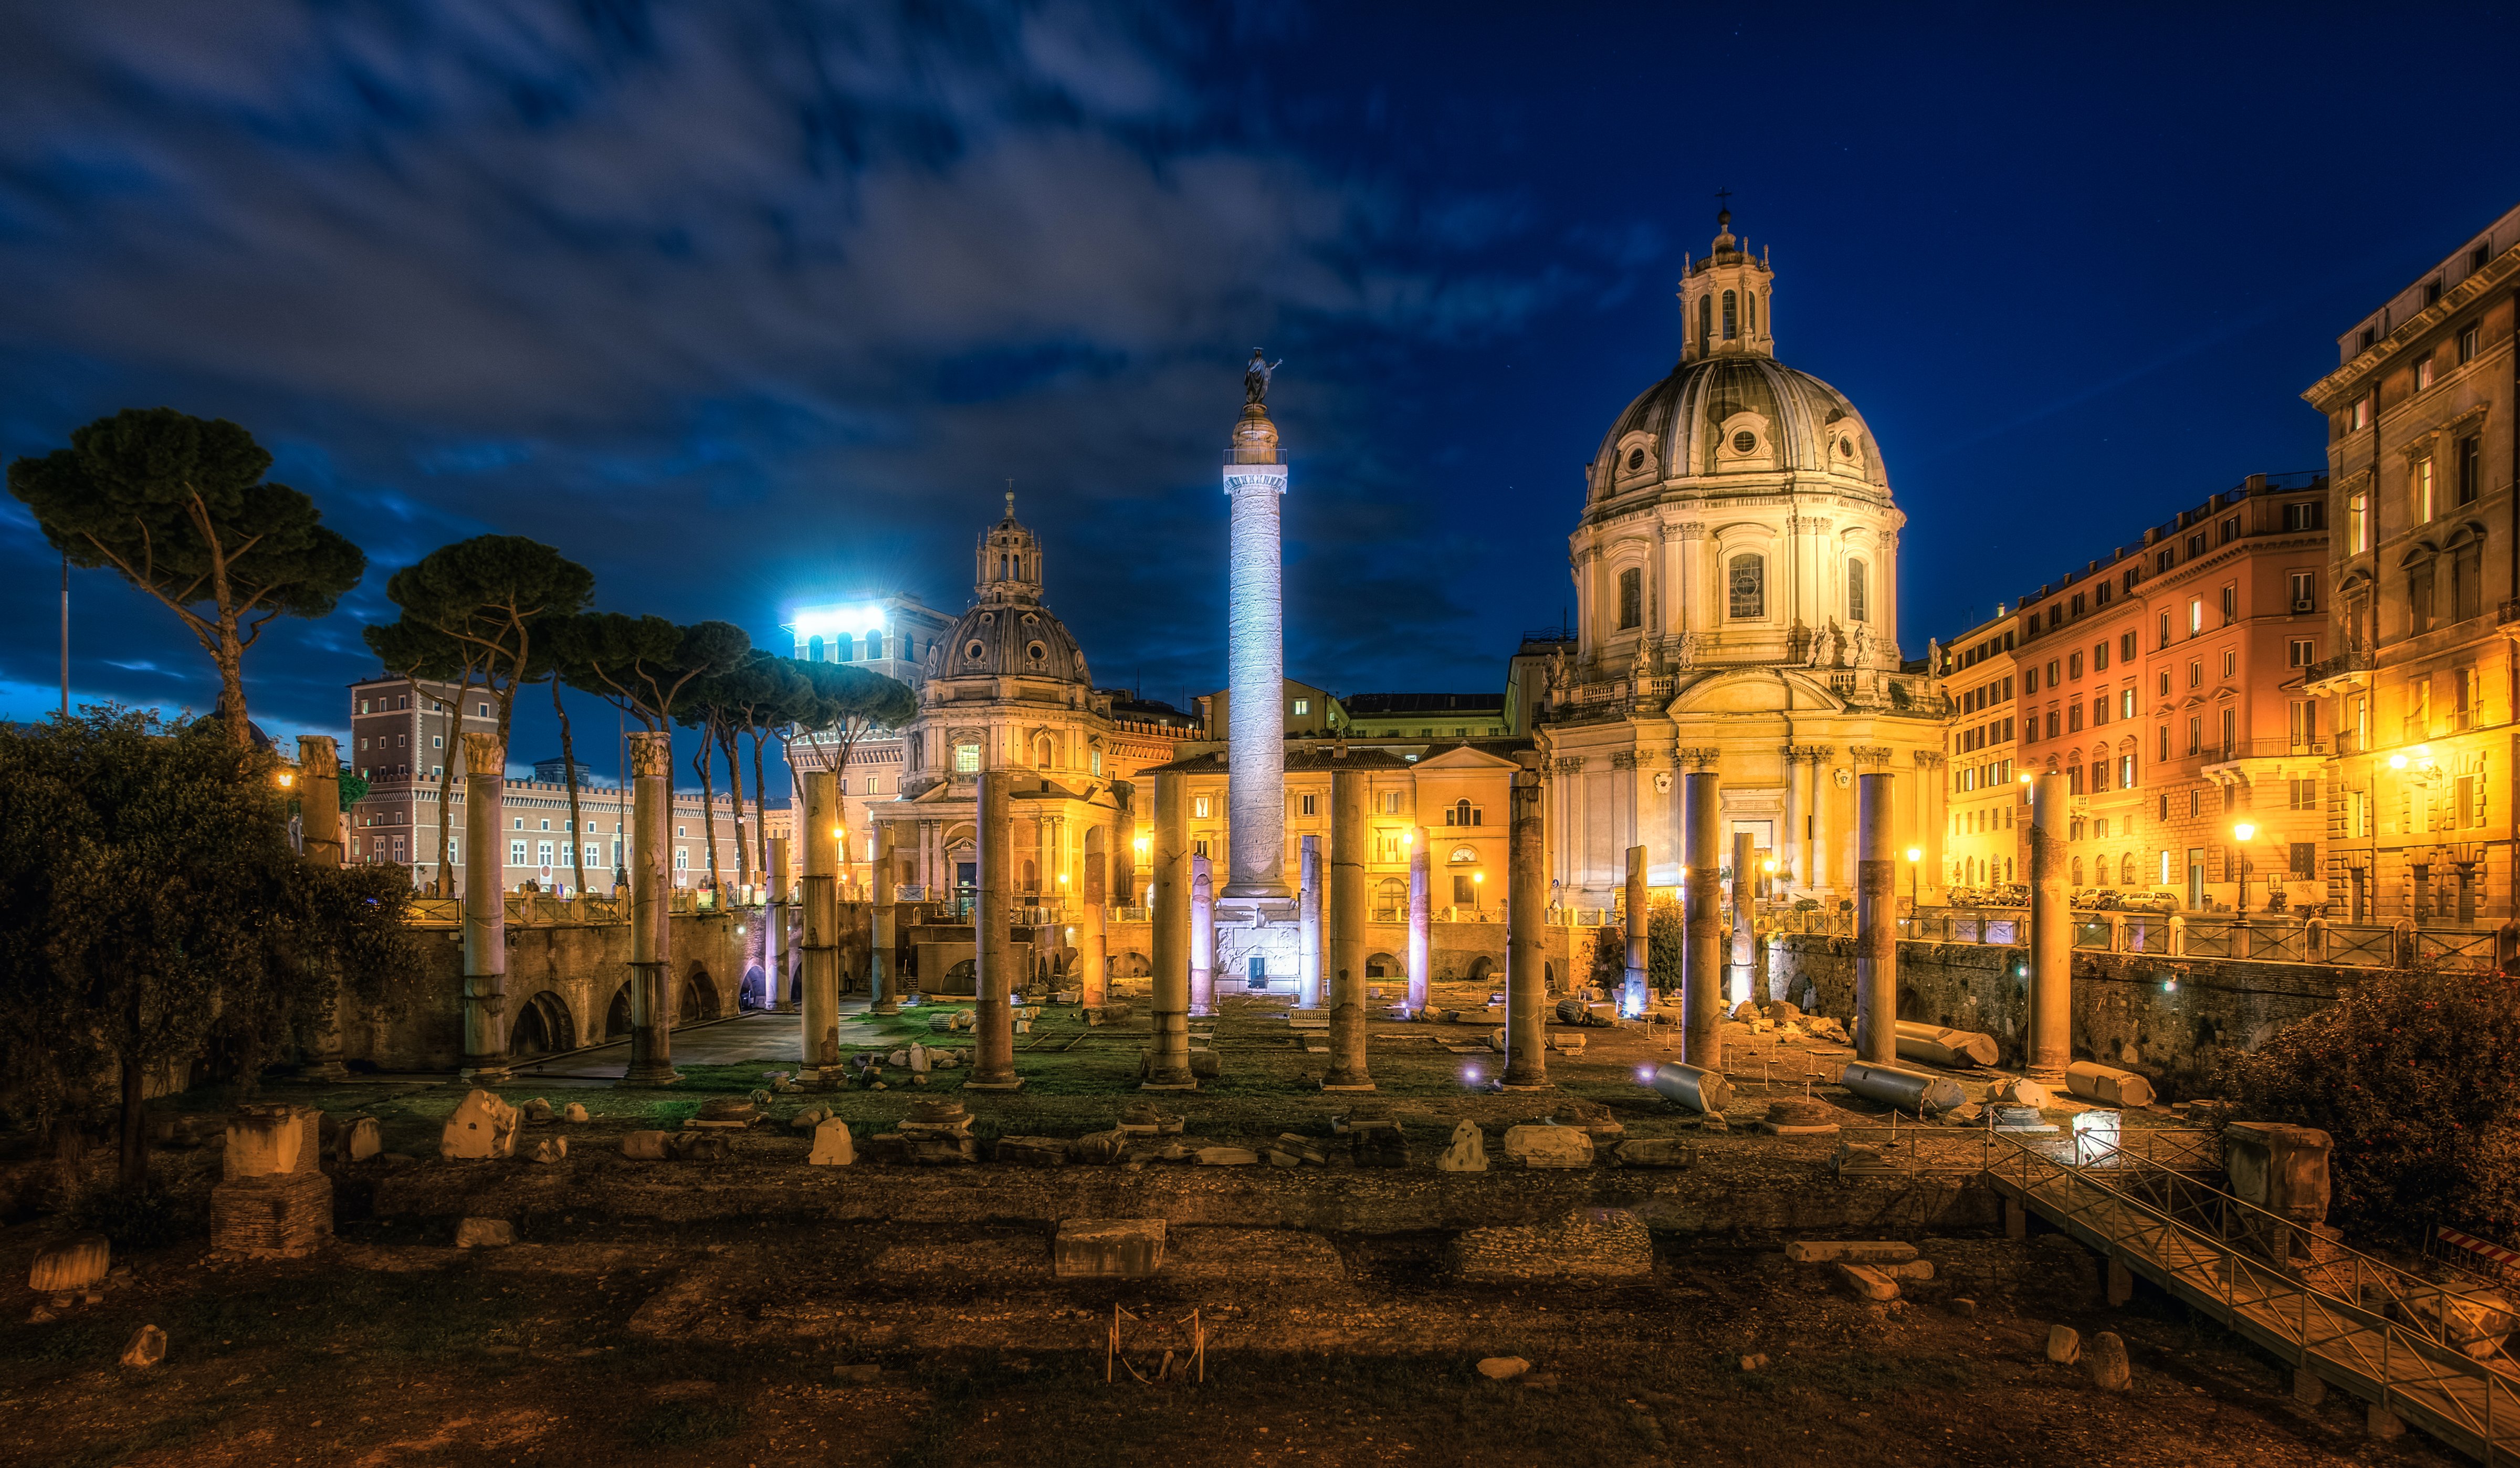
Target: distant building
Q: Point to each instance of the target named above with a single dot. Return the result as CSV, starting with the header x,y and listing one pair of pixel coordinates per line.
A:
x,y
1986,833
2424,579
403,738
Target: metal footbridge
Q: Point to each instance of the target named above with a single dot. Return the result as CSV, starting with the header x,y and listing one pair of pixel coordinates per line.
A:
x,y
2142,1198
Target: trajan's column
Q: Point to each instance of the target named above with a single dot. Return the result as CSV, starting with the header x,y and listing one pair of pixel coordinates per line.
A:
x,y
1255,478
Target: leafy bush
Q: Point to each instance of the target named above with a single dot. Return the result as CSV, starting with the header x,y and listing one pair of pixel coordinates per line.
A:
x,y
140,1217
2416,1078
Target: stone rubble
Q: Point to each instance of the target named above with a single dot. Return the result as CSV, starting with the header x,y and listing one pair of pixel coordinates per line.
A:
x,y
146,1348
1468,1152
482,1127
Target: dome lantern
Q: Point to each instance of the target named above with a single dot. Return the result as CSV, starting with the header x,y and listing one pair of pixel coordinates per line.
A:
x,y
1725,301
1008,560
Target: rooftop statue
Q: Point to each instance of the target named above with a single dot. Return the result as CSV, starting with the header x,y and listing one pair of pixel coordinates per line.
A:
x,y
1256,377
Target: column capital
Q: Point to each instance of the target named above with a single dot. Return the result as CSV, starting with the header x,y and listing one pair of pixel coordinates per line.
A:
x,y
1817,754
1877,755
1698,758
318,757
483,753
1570,764
1927,759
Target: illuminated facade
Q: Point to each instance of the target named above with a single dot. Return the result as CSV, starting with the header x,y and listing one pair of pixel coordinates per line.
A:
x,y
1986,830
2418,673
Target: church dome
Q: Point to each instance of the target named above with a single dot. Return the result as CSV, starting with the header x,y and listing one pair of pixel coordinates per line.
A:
x,y
1008,632
1742,413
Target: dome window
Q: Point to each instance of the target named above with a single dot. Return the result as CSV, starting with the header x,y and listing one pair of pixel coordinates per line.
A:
x,y
1636,459
1858,600
1732,325
973,649
1036,652
1746,587
1745,442
1631,597
1846,447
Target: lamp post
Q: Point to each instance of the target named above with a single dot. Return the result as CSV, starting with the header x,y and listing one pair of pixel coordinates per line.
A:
x,y
1767,878
2241,833
1480,894
1142,845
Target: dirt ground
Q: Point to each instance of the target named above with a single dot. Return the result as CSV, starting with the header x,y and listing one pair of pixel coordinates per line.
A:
x,y
610,1339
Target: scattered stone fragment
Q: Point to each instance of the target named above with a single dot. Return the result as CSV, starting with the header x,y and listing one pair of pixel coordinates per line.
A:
x,y
549,1150
1821,1027
1302,1148
1867,1282
574,1112
1862,1251
74,1264
644,1146
728,1112
1783,1010
1652,1153
1380,1147
1502,1367
1547,1147
2106,1361
1145,1118
1226,1157
2064,1345
1468,1152
699,1146
897,1057
2012,1118
484,1233
2020,1091
809,1118
832,1144
1801,1116
1756,1361
146,1348
921,1148
482,1127
1108,1248
1964,1308
1100,1147
1592,1116
1965,1114
1911,1271
537,1112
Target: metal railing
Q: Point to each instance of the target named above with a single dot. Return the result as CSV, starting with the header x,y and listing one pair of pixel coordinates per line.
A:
x,y
2261,938
1911,1149
526,909
2268,750
2386,1334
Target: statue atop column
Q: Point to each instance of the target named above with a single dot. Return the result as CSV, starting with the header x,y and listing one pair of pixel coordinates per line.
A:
x,y
1255,378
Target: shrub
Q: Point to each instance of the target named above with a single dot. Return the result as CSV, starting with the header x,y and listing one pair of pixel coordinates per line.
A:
x,y
2416,1077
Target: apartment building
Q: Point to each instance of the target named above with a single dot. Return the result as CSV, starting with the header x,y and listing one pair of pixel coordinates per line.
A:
x,y
2164,681
1986,825
2419,673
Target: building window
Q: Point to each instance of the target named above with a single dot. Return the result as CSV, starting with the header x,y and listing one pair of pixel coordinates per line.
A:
x,y
2423,372
1304,804
2165,628
515,853
2195,615
1730,327
2305,591
2126,701
2195,743
966,759
2074,666
2358,522
682,859
2419,597
542,853
2126,647
1748,588
1462,856
1303,706
2467,345
2466,582
2469,457
2299,652
1858,604
2100,657
2303,516
2230,661
1201,806
482,709
2359,417
2230,603
1631,599
2421,489
2197,672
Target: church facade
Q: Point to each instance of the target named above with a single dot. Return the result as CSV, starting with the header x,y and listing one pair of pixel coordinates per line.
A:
x,y
1735,575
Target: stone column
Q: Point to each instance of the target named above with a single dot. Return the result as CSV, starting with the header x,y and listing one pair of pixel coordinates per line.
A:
x,y
1421,906
651,771
1702,952
885,877
486,913
1820,873
1526,908
1933,783
1124,845
1876,921
1632,1001
1797,797
1168,1066
993,1060
1202,937
818,1031
1346,935
2051,934
1308,927
1256,662
774,930
1093,956
1746,906
319,823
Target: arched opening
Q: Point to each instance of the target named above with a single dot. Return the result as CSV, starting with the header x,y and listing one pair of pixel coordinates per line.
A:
x,y
1482,967
617,1015
1731,316
845,648
1705,321
1632,600
1381,966
1859,603
1390,899
1130,966
1746,587
1031,876
757,988
813,650
543,1027
1912,1004
698,997
962,978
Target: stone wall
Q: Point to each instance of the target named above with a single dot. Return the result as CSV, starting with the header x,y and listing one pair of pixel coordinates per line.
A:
x,y
2171,1019
1454,949
570,973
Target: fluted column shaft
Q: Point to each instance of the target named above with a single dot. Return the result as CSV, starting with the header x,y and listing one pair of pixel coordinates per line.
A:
x,y
1421,903
819,1024
993,1059
1169,1067
1308,925
651,766
1876,921
485,911
1526,910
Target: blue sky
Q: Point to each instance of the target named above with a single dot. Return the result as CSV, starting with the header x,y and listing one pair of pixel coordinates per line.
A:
x,y
751,304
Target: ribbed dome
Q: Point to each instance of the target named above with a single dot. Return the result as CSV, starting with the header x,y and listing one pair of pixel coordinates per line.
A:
x,y
1739,413
1009,639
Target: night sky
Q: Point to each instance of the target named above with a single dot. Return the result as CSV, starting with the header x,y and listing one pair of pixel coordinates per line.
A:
x,y
749,305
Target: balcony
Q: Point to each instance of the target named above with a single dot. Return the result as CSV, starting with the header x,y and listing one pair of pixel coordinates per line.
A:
x,y
2347,669
2266,749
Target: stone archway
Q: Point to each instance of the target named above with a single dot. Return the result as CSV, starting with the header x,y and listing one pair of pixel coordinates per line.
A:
x,y
1381,966
617,1015
543,1027
1482,968
698,1000
755,994
1129,965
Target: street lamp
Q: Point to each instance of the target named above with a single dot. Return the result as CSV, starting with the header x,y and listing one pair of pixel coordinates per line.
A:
x,y
1768,878
1916,854
2241,833
1478,891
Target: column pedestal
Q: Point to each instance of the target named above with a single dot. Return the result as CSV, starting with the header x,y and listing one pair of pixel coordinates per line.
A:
x,y
1632,999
